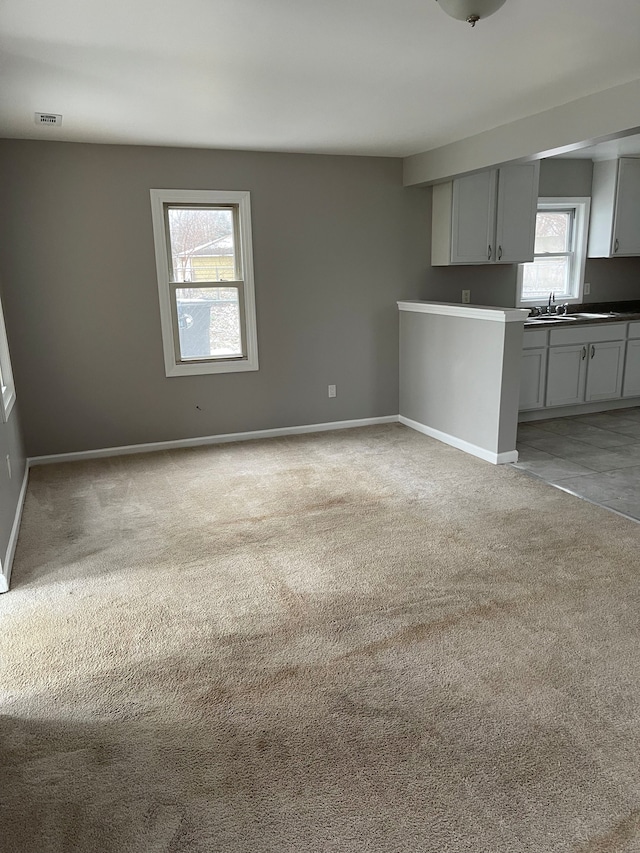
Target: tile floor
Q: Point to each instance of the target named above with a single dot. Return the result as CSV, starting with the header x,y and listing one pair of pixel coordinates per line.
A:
x,y
594,456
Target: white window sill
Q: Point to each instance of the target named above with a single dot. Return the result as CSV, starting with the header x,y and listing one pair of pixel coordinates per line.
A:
x,y
560,300
201,368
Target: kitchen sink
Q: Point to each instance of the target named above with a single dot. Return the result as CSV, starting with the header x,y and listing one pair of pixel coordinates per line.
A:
x,y
552,318
602,315
568,318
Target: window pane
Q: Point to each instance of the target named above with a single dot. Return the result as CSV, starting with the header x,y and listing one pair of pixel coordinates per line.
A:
x,y
202,244
545,276
553,231
209,322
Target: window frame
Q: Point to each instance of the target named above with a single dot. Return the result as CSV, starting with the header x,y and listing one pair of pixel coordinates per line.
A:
x,y
581,206
7,385
241,202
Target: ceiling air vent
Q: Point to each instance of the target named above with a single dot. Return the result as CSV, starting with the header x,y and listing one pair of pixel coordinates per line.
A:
x,y
48,118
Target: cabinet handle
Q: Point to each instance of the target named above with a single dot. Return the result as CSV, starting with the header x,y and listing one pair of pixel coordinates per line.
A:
x,y
584,353
489,253
616,245
593,350
499,253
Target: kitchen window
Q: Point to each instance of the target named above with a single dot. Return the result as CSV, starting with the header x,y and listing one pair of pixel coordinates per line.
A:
x,y
560,252
204,261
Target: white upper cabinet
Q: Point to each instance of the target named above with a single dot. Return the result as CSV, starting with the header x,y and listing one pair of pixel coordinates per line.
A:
x,y
473,218
516,214
614,229
486,218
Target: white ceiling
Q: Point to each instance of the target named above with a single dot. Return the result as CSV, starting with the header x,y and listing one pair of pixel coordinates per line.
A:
x,y
389,77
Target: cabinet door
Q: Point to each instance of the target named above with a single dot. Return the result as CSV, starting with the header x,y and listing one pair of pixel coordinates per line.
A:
x,y
632,370
604,372
517,206
626,231
473,218
532,378
566,375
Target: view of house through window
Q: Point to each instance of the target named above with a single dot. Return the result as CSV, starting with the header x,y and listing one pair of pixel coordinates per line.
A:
x,y
550,272
205,280
203,250
202,243
559,253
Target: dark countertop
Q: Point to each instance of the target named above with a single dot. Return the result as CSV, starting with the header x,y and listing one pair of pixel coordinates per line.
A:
x,y
589,314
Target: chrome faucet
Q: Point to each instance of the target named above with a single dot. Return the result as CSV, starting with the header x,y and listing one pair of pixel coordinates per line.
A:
x,y
552,299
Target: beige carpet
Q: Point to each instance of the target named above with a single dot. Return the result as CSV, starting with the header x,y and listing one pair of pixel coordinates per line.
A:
x,y
356,642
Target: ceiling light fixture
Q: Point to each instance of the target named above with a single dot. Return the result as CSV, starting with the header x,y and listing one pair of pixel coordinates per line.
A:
x,y
470,11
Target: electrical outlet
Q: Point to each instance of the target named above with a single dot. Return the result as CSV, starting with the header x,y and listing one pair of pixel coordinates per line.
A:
x,y
587,288
332,390
9,465
466,297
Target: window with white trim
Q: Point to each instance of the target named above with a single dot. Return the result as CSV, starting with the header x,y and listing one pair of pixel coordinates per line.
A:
x,y
204,260
7,388
560,253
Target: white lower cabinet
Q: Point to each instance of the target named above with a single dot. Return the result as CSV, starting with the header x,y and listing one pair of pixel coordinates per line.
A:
x,y
586,364
532,378
566,375
581,364
632,370
604,372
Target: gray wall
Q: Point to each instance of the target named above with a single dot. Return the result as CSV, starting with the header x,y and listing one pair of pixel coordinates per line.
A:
x,y
610,278
461,376
337,240
562,177
11,445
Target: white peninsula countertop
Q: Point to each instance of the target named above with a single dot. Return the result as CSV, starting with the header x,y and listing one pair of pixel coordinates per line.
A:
x,y
473,312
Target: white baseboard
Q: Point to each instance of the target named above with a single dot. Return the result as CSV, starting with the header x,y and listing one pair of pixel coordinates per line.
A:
x,y
5,576
207,439
549,412
460,444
